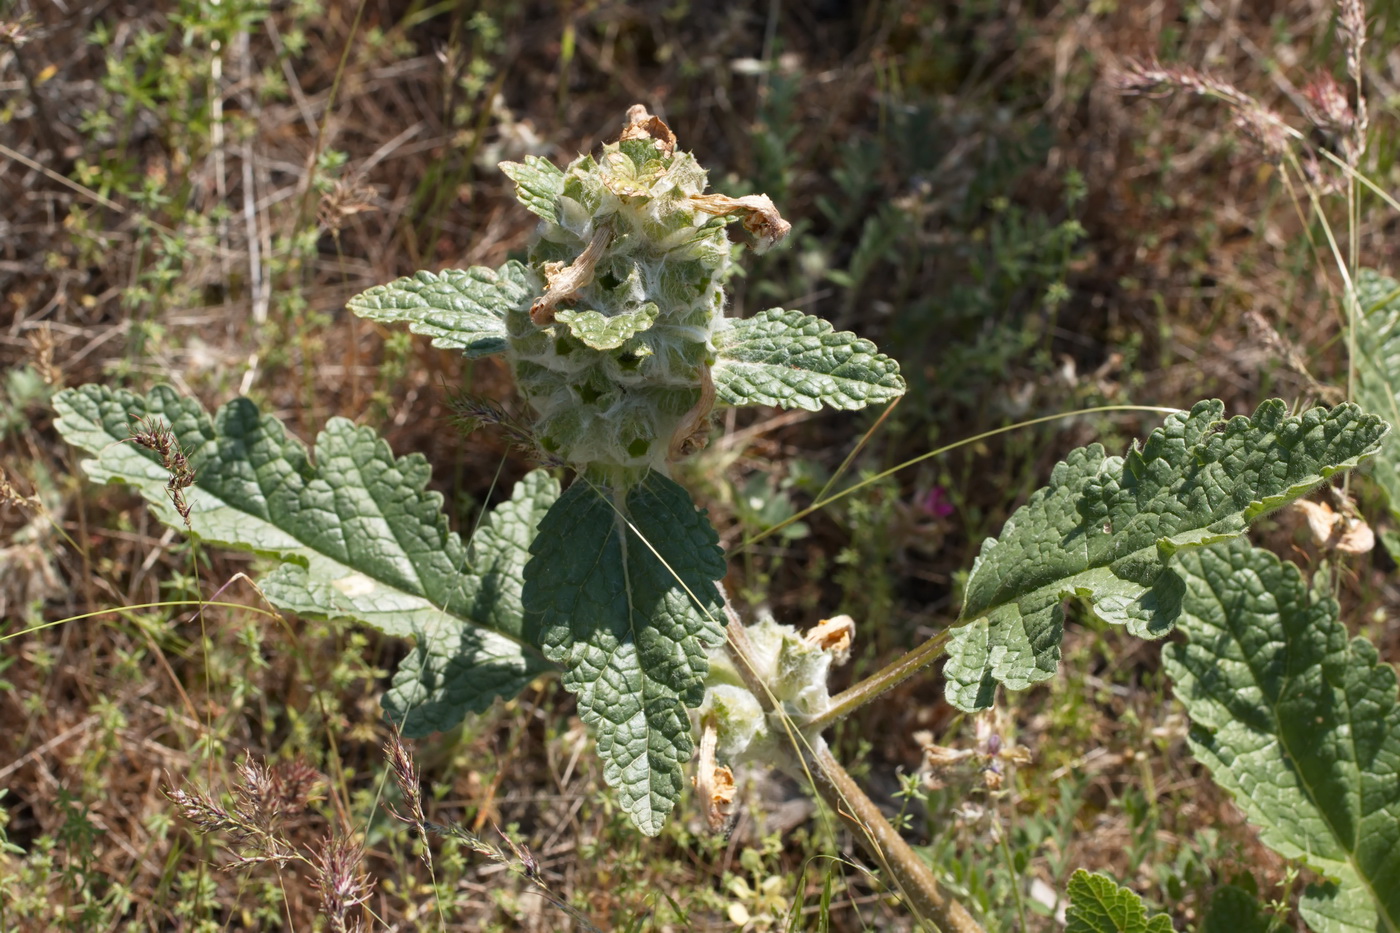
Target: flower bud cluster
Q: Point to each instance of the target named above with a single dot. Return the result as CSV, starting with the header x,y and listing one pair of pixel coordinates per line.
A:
x,y
794,665
614,356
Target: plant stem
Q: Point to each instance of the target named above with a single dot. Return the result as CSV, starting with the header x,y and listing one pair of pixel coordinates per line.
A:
x,y
910,872
1010,863
844,796
887,678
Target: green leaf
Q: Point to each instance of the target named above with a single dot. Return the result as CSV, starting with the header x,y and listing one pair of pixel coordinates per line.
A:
x,y
601,332
538,184
360,535
1106,529
794,360
621,591
461,309
1300,723
1234,909
1378,370
450,671
1098,905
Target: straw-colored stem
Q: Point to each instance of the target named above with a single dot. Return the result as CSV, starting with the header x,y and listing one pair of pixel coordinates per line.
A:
x,y
811,758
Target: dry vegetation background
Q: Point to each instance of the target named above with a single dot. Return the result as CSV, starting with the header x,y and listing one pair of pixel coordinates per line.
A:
x,y
191,189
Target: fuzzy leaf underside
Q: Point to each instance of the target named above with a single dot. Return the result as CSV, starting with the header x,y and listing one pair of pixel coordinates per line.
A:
x,y
794,360
359,534
1106,529
1378,371
538,184
601,332
443,677
1097,904
630,625
1300,723
461,309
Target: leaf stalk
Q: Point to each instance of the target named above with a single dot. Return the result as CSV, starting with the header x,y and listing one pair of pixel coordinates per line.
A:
x,y
887,678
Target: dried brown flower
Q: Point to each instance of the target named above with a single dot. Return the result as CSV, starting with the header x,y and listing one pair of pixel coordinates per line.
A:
x,y
834,635
760,216
562,281
42,344
693,433
1337,530
345,198
714,782
642,125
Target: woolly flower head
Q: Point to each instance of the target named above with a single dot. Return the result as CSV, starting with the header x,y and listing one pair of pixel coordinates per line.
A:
x,y
614,354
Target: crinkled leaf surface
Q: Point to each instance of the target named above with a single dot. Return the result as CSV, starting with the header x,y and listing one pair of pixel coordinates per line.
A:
x,y
1106,529
443,677
601,332
1300,723
1097,904
461,309
621,591
794,360
359,534
538,183
1378,370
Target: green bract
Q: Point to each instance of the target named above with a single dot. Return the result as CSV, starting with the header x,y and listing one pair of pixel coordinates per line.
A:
x,y
615,355
795,669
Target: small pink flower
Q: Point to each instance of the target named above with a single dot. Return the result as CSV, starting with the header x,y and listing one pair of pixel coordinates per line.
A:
x,y
936,503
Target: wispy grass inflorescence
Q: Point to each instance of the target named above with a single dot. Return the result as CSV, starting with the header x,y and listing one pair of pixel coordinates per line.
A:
x,y
344,199
1351,24
156,435
264,800
16,32
344,886
520,859
1281,348
41,344
251,828
1340,121
1261,125
470,413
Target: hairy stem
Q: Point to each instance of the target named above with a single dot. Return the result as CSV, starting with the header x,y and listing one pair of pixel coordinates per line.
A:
x,y
844,796
887,678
